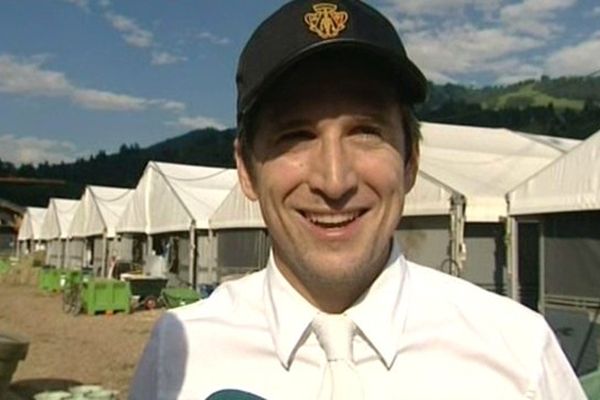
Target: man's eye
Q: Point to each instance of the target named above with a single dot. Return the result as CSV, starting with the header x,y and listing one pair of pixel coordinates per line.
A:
x,y
294,136
368,132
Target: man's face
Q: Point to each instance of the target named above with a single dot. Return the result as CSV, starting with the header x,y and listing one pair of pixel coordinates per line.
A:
x,y
329,172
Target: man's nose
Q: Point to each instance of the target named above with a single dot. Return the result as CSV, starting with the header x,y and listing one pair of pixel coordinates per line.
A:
x,y
332,170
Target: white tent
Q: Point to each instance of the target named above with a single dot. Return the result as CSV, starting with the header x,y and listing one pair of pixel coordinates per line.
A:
x,y
55,229
484,163
95,219
570,183
555,231
178,199
454,216
236,211
555,227
190,193
30,232
429,196
238,224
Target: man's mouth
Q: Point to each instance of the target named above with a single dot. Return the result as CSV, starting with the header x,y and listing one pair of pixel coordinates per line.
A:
x,y
332,220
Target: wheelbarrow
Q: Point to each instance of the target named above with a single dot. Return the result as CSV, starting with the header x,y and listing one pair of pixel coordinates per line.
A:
x,y
146,289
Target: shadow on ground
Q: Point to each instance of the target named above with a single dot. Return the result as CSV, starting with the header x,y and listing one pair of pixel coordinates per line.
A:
x,y
27,388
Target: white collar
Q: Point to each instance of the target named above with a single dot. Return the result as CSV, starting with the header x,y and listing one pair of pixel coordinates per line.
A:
x,y
379,314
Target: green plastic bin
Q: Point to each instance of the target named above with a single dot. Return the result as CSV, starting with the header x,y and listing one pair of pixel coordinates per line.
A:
x,y
4,267
177,297
75,277
106,295
50,280
591,385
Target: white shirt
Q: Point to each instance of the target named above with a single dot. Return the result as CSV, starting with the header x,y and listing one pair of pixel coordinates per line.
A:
x,y
423,335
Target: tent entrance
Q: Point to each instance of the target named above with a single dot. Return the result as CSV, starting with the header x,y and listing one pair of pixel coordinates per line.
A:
x,y
529,263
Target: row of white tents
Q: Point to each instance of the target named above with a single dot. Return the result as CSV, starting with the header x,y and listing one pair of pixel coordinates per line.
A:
x,y
515,213
477,188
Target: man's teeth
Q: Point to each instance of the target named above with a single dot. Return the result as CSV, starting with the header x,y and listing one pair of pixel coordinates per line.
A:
x,y
332,220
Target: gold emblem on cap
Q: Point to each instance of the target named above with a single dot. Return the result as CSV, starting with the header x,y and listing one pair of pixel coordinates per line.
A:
x,y
326,21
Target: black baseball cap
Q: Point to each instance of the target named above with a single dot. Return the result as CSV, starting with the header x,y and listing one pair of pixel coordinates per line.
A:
x,y
302,28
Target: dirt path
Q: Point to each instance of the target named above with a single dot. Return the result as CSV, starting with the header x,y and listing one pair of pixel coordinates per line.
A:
x,y
103,349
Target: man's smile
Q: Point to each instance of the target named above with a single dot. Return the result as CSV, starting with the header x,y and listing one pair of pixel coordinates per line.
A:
x,y
331,220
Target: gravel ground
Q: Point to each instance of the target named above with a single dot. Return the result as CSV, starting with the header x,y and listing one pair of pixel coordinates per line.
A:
x,y
66,350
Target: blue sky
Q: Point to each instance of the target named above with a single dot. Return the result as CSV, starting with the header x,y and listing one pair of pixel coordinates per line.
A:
x,y
78,76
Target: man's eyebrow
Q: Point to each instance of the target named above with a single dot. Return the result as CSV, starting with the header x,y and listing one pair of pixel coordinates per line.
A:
x,y
377,117
280,124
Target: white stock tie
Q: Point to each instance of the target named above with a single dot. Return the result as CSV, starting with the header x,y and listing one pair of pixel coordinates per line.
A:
x,y
341,381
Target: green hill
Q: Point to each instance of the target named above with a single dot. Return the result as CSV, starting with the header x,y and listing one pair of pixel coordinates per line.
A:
x,y
564,93
531,96
568,107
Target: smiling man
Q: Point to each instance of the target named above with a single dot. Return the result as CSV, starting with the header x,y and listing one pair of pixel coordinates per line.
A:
x,y
329,147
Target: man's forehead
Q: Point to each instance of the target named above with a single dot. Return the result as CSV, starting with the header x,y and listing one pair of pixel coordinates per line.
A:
x,y
337,80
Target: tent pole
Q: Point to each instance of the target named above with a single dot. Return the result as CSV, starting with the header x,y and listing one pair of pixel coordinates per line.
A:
x,y
457,233
48,250
192,274
104,251
84,253
213,255
65,258
512,261
148,247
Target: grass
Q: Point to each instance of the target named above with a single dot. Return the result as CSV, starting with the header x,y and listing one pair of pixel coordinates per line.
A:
x,y
527,95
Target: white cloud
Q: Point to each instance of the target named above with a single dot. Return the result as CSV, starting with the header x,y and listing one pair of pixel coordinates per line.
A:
x,y
535,8
100,100
27,77
409,24
169,105
83,4
596,10
136,36
534,17
35,150
132,33
214,39
438,7
437,77
104,3
198,122
513,70
165,58
580,59
460,50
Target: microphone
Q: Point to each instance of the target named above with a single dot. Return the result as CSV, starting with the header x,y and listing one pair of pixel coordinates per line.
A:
x,y
233,394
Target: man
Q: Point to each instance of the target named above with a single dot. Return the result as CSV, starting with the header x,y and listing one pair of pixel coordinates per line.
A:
x,y
328,145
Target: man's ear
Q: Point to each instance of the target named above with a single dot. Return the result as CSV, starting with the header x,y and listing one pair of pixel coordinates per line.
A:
x,y
411,168
244,173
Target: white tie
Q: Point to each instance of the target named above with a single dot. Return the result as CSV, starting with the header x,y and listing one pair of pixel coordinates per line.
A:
x,y
341,381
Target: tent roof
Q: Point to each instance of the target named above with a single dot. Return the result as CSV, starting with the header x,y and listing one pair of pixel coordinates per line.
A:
x,y
237,211
172,197
483,164
570,183
58,219
99,210
428,197
32,223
